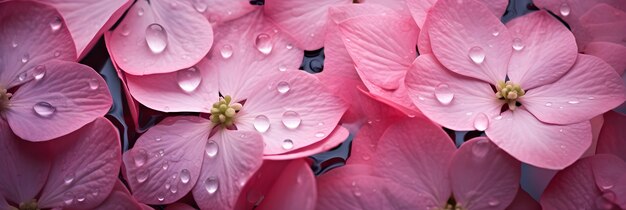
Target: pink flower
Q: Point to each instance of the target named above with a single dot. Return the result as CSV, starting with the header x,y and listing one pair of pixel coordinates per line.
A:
x,y
120,198
551,91
42,94
612,135
268,110
76,171
415,165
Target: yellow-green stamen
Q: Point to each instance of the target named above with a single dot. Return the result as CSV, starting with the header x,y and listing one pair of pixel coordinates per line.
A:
x,y
31,205
223,112
509,92
4,99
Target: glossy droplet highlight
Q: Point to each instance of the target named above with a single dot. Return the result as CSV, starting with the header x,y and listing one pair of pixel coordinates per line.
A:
x,y
564,9
22,76
283,87
25,58
185,176
211,148
548,104
226,51
140,157
39,72
261,123
287,144
44,109
494,202
188,79
94,84
481,122
142,176
124,30
68,198
200,6
69,178
443,94
517,44
480,148
211,184
156,38
263,43
140,12
573,102
282,68
319,134
477,54
56,24
291,119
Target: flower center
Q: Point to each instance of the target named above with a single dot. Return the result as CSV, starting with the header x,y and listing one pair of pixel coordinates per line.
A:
x,y
509,92
223,112
4,99
31,205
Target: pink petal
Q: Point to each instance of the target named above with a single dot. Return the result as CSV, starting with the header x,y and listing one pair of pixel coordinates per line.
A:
x,y
304,20
608,170
482,176
25,166
194,89
175,45
612,135
423,41
420,8
596,126
220,11
382,47
85,167
224,172
398,6
523,201
590,88
119,198
179,206
295,188
28,27
463,40
311,112
545,44
339,135
572,188
421,161
531,141
66,97
611,53
398,98
165,162
604,22
88,20
253,193
447,98
340,13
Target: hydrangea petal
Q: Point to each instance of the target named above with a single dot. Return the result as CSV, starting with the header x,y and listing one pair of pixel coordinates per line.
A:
x,y
119,198
612,135
338,136
572,188
523,201
220,11
295,188
609,52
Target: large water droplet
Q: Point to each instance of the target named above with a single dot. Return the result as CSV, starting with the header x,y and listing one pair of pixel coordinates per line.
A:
x,y
211,148
211,184
481,148
94,84
283,87
443,94
39,72
156,37
185,176
477,54
287,144
188,79
263,43
289,46
25,58
291,119
226,51
261,123
142,176
564,9
481,122
517,44
44,109
56,24
140,157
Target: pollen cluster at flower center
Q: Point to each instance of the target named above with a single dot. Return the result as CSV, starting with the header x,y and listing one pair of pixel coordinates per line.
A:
x,y
509,92
223,112
4,99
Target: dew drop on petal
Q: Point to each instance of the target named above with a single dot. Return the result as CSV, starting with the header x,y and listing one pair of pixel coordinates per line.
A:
x,y
39,72
494,202
142,176
477,54
56,24
188,79
80,198
573,102
548,104
481,148
140,157
282,68
69,178
44,109
22,76
156,38
443,94
287,144
211,184
564,9
291,119
161,198
68,198
14,44
124,30
481,122
185,176
289,46
57,53
140,12
25,58
211,148
263,43
94,84
319,134
261,123
517,44
200,5
226,51
283,87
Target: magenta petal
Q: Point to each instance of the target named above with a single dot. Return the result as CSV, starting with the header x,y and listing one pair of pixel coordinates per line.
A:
x,y
253,193
85,167
523,201
232,157
339,135
3,203
295,188
66,97
572,188
165,162
179,206
482,176
25,166
608,170
611,53
119,197
28,38
612,135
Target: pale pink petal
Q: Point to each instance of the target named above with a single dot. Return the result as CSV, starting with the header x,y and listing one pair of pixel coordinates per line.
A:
x,y
483,176
420,8
259,184
295,188
531,141
25,166
423,41
66,96
339,135
28,39
452,100
165,162
340,13
88,20
179,206
609,52
194,89
119,198
572,188
84,168
173,45
416,153
228,164
299,110
464,41
219,11
590,88
612,135
523,201
545,50
382,46
304,20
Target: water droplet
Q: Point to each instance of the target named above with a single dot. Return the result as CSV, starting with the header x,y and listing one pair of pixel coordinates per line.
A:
x,y
548,104
291,119
174,189
68,198
69,178
56,24
80,198
357,193
565,10
156,37
142,176
607,186
319,134
161,198
39,72
499,117
481,122
495,32
289,46
125,30
94,84
226,51
287,144
254,197
494,202
200,6
283,87
165,165
517,44
13,44
443,94
560,130
261,123
591,97
211,184
140,12
573,102
282,68
22,76
263,43
211,148
44,109
25,57
140,157
366,157
57,53
481,148
185,176
188,79
477,54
